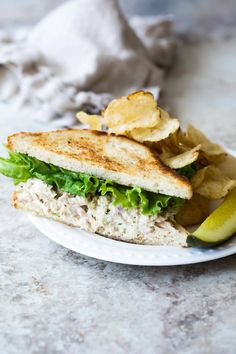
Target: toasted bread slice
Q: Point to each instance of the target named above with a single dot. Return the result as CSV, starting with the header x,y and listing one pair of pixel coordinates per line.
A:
x,y
117,158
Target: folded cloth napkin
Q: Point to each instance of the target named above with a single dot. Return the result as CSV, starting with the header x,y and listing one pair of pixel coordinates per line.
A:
x,y
82,55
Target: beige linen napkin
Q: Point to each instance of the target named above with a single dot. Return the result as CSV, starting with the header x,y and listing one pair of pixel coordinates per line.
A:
x,y
80,56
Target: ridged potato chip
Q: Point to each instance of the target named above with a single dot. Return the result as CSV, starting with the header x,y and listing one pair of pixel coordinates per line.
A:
x,y
181,160
181,142
137,110
126,128
92,120
227,164
198,178
196,137
212,183
193,211
160,131
138,116
176,143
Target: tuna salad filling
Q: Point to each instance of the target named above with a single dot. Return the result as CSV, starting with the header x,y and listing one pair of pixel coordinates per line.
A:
x,y
99,214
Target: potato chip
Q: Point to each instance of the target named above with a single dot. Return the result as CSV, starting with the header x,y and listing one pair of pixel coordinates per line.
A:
x,y
170,144
183,142
165,156
197,137
198,178
215,184
138,110
193,211
176,143
227,164
124,129
181,160
138,116
92,120
161,131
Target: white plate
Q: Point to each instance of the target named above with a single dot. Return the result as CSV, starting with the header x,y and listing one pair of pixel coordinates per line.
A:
x,y
100,247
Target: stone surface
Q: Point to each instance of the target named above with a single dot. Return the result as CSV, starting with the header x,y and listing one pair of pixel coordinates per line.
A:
x,y
56,301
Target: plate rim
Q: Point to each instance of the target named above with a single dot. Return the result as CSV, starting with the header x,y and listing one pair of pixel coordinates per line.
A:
x,y
102,247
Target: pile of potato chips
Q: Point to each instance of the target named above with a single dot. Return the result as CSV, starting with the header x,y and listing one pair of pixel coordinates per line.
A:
x,y
138,116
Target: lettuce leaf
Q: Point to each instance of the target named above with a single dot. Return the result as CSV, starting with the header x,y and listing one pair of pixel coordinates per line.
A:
x,y
188,171
21,167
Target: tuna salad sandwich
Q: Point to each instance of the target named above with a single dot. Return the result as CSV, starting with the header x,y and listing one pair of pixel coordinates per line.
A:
x,y
99,182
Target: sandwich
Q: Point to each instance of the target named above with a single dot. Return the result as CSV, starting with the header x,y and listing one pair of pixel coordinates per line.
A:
x,y
133,176
99,182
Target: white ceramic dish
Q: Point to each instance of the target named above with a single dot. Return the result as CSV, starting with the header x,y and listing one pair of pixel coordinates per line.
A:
x,y
100,247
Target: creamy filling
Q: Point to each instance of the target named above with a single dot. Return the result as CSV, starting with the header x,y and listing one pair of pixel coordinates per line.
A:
x,y
97,214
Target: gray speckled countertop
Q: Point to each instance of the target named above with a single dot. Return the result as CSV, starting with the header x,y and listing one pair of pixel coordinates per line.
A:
x,y
56,301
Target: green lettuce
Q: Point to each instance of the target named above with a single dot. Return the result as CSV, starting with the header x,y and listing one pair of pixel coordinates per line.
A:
x,y
188,171
21,167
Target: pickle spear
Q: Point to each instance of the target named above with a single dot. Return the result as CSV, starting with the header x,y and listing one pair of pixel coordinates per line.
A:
x,y
218,227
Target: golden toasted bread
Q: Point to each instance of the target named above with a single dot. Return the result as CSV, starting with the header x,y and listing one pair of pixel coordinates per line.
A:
x,y
117,158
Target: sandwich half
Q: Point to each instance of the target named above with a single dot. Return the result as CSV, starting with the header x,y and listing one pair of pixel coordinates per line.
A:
x,y
105,184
